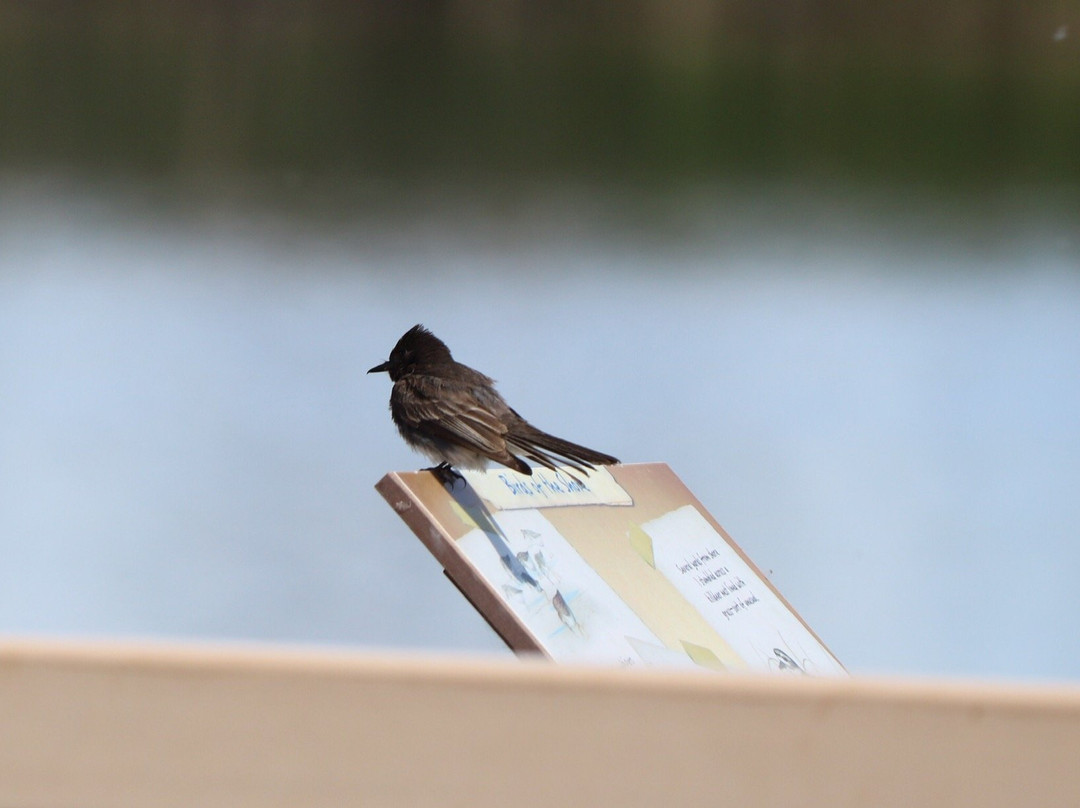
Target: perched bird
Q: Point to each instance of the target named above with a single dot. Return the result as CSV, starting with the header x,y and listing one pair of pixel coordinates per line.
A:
x,y
454,415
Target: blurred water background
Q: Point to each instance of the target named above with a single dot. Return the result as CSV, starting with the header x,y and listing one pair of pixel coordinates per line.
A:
x,y
823,258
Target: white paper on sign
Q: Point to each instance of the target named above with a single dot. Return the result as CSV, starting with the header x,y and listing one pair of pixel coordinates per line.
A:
x,y
734,600
555,593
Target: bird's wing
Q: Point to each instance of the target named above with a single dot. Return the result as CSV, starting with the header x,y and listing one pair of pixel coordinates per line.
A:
x,y
451,410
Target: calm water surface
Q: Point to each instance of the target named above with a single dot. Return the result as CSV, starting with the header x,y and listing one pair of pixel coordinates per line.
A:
x,y
882,412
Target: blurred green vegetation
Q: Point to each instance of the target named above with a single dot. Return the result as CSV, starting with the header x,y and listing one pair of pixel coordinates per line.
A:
x,y
949,92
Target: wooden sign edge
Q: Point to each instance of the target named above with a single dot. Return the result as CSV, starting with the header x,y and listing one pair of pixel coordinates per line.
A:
x,y
457,568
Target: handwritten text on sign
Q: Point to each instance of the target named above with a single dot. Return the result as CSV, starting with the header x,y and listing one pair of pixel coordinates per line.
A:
x,y
507,490
728,593
717,582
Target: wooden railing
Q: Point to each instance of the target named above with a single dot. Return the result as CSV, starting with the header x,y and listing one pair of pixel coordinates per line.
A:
x,y
103,724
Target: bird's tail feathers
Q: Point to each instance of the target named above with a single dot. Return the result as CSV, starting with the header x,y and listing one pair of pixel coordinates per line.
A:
x,y
547,450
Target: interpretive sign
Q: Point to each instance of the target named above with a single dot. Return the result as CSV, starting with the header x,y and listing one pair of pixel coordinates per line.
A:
x,y
621,566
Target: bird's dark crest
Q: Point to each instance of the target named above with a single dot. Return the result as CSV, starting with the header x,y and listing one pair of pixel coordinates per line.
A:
x,y
421,346
417,349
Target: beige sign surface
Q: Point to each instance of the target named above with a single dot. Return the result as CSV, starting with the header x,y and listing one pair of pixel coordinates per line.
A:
x,y
623,566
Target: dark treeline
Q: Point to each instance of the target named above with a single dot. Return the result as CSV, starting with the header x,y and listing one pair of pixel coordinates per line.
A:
x,y
944,91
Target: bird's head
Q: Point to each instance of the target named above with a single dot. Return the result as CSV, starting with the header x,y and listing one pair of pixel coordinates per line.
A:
x,y
417,348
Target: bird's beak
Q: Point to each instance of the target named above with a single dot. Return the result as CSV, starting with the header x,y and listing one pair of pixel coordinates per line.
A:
x,y
380,368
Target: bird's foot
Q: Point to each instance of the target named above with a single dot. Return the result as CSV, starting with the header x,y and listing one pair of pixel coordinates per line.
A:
x,y
446,474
